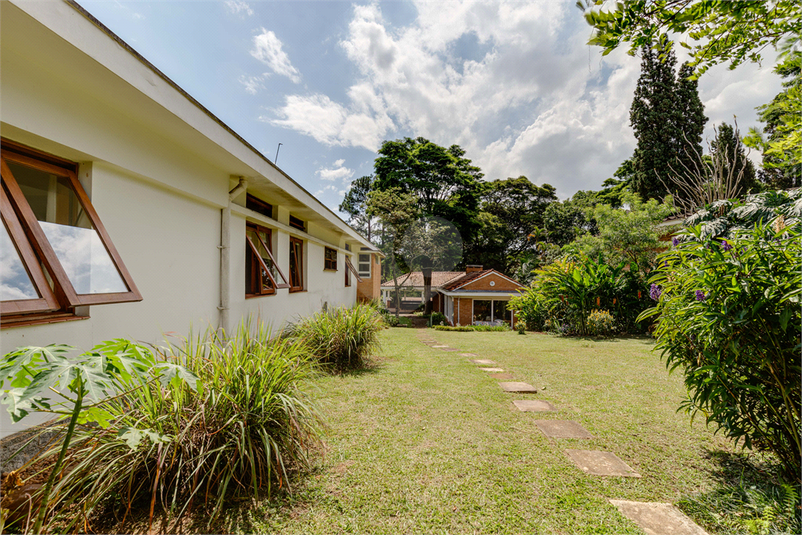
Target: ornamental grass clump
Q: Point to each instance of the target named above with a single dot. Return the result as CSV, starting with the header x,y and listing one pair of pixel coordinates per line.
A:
x,y
729,317
243,430
342,338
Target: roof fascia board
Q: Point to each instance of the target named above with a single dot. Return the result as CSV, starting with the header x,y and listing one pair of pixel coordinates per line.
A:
x,y
491,272
468,293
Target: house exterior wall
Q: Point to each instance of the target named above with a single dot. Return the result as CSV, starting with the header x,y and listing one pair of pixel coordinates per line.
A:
x,y
158,185
463,311
370,288
491,282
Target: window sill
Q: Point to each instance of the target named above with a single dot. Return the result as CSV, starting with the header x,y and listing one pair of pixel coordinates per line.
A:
x,y
21,321
331,269
251,296
297,290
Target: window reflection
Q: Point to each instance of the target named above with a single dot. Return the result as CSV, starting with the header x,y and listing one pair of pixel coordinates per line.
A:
x,y
15,283
70,232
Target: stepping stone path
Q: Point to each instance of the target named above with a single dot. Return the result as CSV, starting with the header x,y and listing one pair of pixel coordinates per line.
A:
x,y
601,463
533,405
653,518
520,388
502,376
658,518
562,429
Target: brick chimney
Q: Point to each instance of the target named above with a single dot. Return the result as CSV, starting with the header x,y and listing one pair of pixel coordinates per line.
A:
x,y
473,268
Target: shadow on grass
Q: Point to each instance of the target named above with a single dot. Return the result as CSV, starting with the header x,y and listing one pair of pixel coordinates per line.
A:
x,y
612,339
749,497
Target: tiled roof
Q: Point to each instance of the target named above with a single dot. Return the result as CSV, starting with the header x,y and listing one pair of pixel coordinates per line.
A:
x,y
468,277
439,278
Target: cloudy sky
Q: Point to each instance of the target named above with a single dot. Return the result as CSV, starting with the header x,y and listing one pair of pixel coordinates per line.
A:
x,y
513,82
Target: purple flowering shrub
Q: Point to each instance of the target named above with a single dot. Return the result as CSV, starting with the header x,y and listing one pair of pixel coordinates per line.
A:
x,y
728,316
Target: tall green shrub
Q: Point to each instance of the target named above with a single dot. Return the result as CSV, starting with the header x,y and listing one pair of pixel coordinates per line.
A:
x,y
341,338
729,317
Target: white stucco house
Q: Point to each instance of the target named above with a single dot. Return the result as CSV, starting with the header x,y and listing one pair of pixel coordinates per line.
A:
x,y
129,210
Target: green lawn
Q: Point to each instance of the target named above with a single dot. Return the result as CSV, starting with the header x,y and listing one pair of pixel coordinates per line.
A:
x,y
425,442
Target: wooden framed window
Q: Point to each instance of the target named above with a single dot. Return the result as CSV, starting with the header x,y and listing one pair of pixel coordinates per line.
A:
x,y
297,223
363,263
330,259
296,264
350,269
58,250
261,269
258,205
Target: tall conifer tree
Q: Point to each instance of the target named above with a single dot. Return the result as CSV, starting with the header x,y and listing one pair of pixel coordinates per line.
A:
x,y
691,118
652,118
668,119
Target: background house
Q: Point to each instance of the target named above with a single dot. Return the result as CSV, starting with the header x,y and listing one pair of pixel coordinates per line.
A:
x,y
130,210
411,288
479,296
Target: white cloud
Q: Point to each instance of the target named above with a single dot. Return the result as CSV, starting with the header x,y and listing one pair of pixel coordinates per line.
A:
x,y
253,83
238,7
267,48
331,123
337,171
513,83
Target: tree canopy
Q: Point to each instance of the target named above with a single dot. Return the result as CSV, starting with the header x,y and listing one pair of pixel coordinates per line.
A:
x,y
717,31
445,183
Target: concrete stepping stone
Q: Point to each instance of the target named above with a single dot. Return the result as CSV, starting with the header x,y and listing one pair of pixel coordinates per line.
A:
x,y
533,405
658,518
562,429
520,388
502,376
482,362
601,463
470,355
439,346
492,370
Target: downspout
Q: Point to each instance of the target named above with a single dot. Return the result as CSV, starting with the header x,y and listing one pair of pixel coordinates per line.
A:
x,y
225,255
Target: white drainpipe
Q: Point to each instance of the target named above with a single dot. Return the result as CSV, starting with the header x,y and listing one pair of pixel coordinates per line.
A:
x,y
225,254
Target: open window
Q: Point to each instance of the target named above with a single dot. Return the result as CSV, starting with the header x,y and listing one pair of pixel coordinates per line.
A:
x,y
262,274
57,249
296,264
350,269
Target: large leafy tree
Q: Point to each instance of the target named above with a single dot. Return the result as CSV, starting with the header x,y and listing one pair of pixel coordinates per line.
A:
x,y
355,204
717,31
781,140
510,209
445,183
396,212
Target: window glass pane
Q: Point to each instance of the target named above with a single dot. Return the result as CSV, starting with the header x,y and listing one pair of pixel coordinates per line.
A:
x,y
254,235
15,283
70,232
481,310
296,260
500,311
